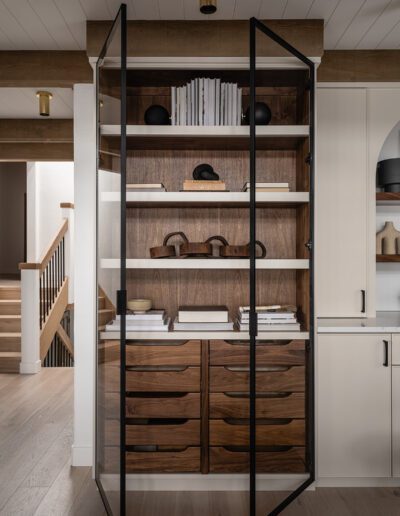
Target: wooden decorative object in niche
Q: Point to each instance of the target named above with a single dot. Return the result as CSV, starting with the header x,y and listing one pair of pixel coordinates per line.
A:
x,y
386,239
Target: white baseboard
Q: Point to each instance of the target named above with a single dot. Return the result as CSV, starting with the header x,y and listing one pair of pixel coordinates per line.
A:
x,y
82,455
30,367
198,482
357,482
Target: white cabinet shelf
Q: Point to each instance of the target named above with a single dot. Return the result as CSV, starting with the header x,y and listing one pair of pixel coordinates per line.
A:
x,y
223,199
203,335
203,263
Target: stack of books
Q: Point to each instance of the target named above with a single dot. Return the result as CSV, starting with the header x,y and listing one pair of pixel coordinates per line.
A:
x,y
206,102
153,320
145,187
192,185
203,318
270,318
268,187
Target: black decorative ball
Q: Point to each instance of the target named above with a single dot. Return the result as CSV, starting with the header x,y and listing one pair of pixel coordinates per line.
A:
x,y
388,174
262,114
156,115
205,172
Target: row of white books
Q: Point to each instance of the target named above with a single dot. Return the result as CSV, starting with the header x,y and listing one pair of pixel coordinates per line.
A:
x,y
270,318
268,187
203,318
206,101
153,320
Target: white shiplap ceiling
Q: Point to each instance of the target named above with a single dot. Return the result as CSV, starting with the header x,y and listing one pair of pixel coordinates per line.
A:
x,y
23,103
60,24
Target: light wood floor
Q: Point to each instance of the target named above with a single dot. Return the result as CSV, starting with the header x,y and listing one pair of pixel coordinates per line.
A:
x,y
36,477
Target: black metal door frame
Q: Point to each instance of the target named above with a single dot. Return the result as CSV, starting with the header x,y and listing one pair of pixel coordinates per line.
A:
x,y
254,26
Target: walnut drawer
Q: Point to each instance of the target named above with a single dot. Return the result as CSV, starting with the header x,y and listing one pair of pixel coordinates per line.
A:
x,y
186,460
227,460
186,379
186,405
224,433
186,433
224,379
162,353
269,353
289,406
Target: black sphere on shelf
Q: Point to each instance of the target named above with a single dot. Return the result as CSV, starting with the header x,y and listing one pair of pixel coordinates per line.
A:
x,y
262,114
388,174
205,172
156,115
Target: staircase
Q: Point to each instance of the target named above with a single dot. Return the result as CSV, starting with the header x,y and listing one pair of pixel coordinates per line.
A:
x,y
10,328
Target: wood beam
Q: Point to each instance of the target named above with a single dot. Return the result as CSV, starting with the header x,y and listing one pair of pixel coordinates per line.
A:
x,y
36,140
360,66
195,38
31,68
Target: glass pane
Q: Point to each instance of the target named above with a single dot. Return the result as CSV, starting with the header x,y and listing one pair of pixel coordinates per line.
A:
x,y
110,186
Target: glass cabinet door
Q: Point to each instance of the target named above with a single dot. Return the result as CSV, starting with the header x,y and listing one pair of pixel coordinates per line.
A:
x,y
111,258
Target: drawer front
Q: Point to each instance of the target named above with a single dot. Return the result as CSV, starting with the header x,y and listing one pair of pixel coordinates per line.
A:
x,y
109,352
223,406
223,433
187,405
184,434
186,460
223,379
160,353
185,380
272,353
395,349
226,460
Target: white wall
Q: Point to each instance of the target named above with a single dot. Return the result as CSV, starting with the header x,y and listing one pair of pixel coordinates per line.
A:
x,y
48,184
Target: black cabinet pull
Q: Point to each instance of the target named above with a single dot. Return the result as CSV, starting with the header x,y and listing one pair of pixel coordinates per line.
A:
x,y
386,361
363,301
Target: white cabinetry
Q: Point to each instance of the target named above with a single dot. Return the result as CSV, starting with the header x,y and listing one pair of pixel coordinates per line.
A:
x,y
354,406
341,203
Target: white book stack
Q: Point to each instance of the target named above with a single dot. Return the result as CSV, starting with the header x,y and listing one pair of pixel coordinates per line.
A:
x,y
203,318
153,320
206,101
270,318
268,187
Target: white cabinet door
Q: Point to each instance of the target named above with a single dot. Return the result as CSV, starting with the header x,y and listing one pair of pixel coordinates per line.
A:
x,y
396,421
341,203
353,406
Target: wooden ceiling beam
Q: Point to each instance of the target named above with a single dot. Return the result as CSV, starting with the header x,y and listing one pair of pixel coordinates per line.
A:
x,y
56,69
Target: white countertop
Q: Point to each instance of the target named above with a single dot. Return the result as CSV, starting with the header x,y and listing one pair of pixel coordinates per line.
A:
x,y
384,322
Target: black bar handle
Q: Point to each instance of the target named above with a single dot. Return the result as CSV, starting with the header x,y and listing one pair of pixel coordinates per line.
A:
x,y
386,361
363,301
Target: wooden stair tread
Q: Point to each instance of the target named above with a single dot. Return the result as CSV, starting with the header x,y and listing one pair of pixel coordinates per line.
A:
x,y
12,316
10,354
8,334
10,301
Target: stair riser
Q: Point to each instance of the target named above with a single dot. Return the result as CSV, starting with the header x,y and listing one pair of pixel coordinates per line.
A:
x,y
105,317
10,293
9,365
10,344
10,325
102,303
10,308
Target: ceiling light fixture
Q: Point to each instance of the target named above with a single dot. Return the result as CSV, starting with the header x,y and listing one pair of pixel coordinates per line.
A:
x,y
44,102
208,6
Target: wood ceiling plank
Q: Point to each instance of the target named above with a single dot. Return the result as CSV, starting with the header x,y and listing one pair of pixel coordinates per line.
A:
x,y
272,9
297,9
382,27
338,23
75,19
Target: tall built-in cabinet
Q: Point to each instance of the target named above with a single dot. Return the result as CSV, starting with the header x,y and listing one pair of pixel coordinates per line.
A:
x,y
204,402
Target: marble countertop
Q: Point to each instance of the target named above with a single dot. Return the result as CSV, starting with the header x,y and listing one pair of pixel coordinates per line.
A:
x,y
384,322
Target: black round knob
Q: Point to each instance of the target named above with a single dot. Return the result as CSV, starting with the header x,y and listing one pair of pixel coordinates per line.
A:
x,y
156,115
262,114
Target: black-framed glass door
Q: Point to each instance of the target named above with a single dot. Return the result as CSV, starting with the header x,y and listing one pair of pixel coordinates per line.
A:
x,y
282,438
111,266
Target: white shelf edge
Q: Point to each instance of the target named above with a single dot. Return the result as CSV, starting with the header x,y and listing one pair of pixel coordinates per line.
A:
x,y
204,335
189,131
207,197
204,263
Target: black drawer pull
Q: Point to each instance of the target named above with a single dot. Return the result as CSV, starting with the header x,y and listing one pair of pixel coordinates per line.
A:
x,y
386,361
363,301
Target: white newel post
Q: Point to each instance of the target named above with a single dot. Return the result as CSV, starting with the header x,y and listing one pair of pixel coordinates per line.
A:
x,y
85,273
68,213
30,323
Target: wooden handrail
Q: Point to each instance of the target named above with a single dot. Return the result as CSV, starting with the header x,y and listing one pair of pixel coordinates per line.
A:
x,y
49,253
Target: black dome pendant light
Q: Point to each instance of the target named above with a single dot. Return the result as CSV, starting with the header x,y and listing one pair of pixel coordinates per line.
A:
x,y
208,6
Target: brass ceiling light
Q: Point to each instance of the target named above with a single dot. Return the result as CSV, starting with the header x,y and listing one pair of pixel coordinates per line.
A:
x,y
208,6
44,102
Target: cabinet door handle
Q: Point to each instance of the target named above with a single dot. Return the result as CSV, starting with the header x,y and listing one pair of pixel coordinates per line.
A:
x,y
386,361
363,301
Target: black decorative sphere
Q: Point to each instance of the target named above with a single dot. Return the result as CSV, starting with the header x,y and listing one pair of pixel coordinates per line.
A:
x,y
262,114
205,172
156,115
388,174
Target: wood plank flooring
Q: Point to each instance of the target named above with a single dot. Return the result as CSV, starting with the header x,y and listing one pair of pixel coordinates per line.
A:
x,y
36,478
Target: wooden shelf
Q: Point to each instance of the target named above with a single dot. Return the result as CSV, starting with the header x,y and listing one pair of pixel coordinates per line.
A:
x,y
210,137
387,199
218,199
387,258
204,335
203,263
